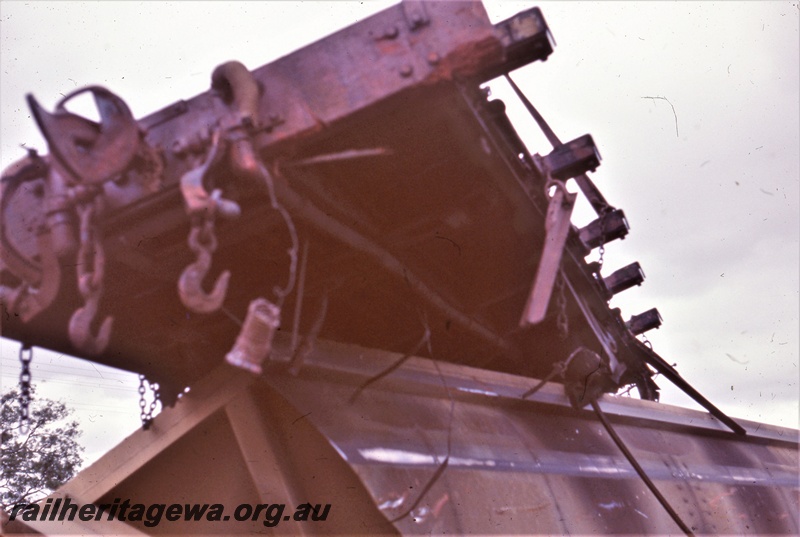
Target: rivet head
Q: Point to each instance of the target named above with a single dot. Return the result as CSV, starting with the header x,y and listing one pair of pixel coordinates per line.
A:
x,y
406,71
179,147
390,32
434,58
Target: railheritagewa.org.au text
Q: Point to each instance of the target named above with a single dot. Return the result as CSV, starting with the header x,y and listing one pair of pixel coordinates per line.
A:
x,y
151,515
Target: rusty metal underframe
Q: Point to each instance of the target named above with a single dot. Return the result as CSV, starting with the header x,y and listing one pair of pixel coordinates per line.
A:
x,y
427,58
142,219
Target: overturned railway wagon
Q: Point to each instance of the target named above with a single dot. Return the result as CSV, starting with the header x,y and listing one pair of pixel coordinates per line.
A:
x,y
378,302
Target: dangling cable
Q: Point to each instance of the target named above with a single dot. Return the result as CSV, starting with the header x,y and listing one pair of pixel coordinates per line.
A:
x,y
443,466
281,293
304,349
558,369
639,470
299,298
236,320
425,339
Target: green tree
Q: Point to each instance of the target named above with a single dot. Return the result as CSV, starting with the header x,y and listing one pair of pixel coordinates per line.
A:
x,y
34,464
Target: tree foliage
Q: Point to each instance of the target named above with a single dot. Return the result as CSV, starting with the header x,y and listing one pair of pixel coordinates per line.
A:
x,y
34,464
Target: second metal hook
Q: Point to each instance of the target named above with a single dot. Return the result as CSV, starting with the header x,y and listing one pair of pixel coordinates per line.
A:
x,y
190,286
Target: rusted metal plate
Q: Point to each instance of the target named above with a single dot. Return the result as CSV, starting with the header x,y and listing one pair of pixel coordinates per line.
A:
x,y
538,466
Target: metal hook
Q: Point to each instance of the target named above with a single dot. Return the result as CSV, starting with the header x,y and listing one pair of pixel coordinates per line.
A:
x,y
197,199
190,283
80,331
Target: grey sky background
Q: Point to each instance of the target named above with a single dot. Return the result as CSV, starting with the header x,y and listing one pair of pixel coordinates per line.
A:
x,y
714,208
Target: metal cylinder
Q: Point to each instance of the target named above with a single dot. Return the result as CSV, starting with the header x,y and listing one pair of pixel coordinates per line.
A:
x,y
255,338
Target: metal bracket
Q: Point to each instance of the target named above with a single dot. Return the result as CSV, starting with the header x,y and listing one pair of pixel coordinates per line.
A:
x,y
92,153
525,38
557,225
570,159
639,324
610,226
623,279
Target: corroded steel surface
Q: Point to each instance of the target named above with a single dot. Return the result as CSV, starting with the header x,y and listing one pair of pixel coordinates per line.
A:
x,y
371,154
538,466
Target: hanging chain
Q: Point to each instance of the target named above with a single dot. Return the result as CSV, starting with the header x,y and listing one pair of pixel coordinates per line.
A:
x,y
156,398
142,403
90,272
25,357
602,249
203,239
562,322
147,415
90,276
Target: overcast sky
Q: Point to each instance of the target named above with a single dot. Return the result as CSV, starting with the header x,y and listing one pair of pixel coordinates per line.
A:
x,y
711,189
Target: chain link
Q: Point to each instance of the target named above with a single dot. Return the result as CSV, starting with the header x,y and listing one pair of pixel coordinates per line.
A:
x,y
156,398
90,271
202,238
90,276
142,403
25,357
562,322
602,249
147,415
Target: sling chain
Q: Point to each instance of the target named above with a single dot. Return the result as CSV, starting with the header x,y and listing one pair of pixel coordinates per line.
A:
x,y
147,415
90,286
602,249
25,357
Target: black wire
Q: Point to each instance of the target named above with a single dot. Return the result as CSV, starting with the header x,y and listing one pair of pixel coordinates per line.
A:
x,y
443,466
556,370
435,477
425,337
639,470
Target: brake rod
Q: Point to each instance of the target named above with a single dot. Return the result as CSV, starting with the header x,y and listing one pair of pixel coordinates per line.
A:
x,y
589,189
673,376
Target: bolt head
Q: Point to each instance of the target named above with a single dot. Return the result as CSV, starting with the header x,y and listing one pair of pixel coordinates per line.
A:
x,y
179,147
390,32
